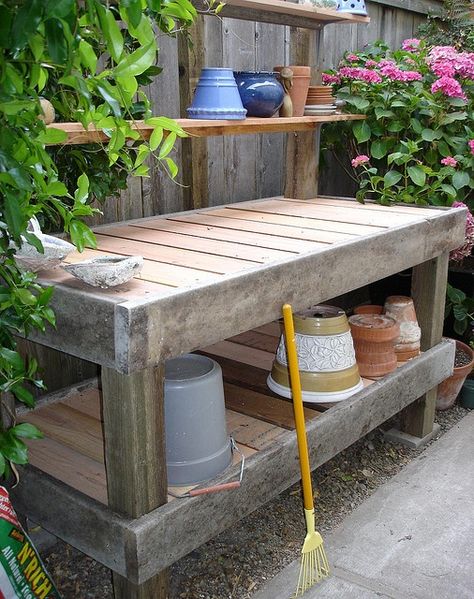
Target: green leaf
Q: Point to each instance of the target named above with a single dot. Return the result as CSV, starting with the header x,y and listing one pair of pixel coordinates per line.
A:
x,y
26,22
26,430
51,135
137,62
167,145
358,102
14,449
417,175
13,215
57,188
82,191
452,117
106,91
443,149
12,358
81,235
449,189
155,138
416,126
23,395
431,135
45,296
361,131
56,40
172,166
6,19
88,56
391,178
59,8
133,9
379,148
111,31
460,179
396,126
25,296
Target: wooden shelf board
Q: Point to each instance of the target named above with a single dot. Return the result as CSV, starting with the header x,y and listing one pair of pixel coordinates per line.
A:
x,y
210,128
283,13
72,450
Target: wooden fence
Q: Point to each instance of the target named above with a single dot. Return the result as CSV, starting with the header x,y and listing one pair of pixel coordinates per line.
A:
x,y
247,167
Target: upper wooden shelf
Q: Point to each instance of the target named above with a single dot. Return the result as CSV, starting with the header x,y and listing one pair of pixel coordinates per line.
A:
x,y
207,128
283,13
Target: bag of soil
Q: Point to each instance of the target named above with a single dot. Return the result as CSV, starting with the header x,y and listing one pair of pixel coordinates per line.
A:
x,y
22,573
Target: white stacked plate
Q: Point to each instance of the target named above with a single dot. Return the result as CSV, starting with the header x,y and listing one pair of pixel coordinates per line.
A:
x,y
319,109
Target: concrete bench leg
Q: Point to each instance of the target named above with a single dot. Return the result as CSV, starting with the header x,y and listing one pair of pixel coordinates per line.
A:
x,y
135,459
429,294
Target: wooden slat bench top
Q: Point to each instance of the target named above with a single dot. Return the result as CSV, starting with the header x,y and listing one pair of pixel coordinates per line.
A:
x,y
213,273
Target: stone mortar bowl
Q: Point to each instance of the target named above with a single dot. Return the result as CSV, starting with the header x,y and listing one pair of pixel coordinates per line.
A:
x,y
55,250
106,271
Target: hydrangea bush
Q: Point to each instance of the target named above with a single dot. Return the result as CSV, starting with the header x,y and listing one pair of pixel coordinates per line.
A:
x,y
417,143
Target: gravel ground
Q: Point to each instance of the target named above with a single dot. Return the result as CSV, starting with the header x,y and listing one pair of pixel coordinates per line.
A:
x,y
239,561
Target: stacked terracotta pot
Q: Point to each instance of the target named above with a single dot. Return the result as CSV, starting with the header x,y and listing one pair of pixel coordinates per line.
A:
x,y
320,95
374,338
402,309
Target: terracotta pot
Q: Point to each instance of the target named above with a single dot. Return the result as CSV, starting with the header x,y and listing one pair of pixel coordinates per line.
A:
x,y
374,338
299,91
449,389
402,309
368,309
327,363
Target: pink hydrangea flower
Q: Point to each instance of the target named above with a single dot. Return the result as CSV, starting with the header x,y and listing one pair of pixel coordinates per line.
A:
x,y
392,72
411,44
471,146
360,74
446,61
352,58
370,63
358,160
330,79
466,249
449,87
449,161
443,68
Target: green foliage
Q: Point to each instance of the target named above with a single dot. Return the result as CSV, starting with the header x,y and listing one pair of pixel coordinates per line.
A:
x,y
452,24
461,307
90,59
420,141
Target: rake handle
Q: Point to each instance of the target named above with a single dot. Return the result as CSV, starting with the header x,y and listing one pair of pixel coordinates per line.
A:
x,y
298,407
214,489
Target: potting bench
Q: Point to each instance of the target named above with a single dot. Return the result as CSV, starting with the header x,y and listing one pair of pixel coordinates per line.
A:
x,y
215,280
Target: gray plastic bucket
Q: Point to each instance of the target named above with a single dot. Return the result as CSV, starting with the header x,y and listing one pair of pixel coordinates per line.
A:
x,y
198,447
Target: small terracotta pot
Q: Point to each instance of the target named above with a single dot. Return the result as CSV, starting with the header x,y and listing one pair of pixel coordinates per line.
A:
x,y
368,309
299,91
374,338
449,389
402,309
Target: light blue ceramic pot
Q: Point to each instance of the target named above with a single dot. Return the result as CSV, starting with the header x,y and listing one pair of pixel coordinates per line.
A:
x,y
355,7
217,96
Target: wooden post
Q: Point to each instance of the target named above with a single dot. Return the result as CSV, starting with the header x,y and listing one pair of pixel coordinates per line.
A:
x,y
302,149
135,459
195,155
429,294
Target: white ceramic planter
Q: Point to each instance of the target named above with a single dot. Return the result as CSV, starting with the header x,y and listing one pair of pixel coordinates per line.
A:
x,y
326,358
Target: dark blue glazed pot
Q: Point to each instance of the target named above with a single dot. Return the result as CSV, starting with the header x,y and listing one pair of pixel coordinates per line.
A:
x,y
261,93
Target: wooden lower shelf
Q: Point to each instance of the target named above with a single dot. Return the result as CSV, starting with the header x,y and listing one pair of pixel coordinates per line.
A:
x,y
73,448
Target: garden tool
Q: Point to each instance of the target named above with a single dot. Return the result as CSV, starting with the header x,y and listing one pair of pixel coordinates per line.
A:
x,y
314,563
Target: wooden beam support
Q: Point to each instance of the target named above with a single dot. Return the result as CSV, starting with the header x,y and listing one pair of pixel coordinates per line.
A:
x,y
139,548
135,460
429,294
195,156
302,148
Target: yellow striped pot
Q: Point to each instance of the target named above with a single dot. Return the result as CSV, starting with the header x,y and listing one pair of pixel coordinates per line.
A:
x,y
326,357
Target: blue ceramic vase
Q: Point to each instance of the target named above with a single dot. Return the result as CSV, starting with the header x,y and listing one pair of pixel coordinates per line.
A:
x,y
355,7
216,96
262,94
